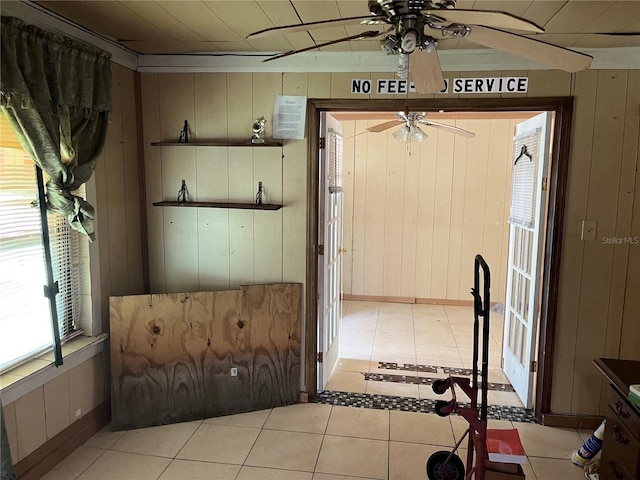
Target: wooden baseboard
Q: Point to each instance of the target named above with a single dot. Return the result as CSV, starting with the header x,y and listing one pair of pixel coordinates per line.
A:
x,y
423,301
375,298
587,422
444,301
36,464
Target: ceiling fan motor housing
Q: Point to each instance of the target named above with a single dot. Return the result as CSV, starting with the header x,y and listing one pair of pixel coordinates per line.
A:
x,y
393,8
409,23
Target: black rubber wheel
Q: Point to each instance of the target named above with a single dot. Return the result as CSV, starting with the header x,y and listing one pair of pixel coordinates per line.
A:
x,y
437,470
440,404
440,386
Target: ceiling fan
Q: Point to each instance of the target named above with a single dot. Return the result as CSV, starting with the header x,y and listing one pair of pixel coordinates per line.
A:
x,y
414,27
411,131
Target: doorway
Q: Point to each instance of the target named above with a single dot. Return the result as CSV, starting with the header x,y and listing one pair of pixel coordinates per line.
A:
x,y
560,106
415,216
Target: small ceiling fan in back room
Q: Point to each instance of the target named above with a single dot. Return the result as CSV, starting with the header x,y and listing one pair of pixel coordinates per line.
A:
x,y
412,29
411,131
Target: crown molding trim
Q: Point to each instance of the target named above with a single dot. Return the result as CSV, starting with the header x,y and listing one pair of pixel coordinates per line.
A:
x,y
368,61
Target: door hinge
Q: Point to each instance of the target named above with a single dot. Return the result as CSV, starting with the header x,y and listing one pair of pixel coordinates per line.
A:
x,y
545,183
533,367
320,249
319,357
321,143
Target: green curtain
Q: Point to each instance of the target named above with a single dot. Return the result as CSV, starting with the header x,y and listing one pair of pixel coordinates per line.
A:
x,y
56,92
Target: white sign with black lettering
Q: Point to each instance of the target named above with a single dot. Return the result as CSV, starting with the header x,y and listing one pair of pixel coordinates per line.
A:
x,y
385,86
491,85
459,85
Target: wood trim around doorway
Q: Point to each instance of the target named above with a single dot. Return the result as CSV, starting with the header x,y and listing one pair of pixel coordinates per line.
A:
x,y
561,106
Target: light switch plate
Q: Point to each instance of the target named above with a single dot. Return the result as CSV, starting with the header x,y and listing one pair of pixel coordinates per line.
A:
x,y
588,231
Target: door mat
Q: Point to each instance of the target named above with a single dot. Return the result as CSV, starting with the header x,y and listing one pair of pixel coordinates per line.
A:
x,y
414,379
422,405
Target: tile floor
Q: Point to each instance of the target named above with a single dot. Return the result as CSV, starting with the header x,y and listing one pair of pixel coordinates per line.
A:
x,y
305,441
332,442
438,335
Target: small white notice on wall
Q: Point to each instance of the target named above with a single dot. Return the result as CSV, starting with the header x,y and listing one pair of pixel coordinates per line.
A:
x,y
289,115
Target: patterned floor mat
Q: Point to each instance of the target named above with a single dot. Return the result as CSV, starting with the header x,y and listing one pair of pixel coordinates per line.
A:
x,y
410,367
414,379
406,404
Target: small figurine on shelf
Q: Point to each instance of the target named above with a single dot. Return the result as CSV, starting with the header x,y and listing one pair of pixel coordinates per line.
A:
x,y
184,134
182,193
259,194
258,130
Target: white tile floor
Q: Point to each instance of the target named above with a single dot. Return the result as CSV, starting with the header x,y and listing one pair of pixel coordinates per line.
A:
x,y
437,335
330,442
305,441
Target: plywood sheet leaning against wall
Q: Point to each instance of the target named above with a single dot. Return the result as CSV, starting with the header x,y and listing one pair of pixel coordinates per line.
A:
x,y
172,354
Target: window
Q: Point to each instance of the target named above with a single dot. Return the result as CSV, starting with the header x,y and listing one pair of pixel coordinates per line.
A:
x,y
25,317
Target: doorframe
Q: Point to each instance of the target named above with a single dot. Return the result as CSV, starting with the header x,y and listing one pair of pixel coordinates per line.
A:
x,y
558,171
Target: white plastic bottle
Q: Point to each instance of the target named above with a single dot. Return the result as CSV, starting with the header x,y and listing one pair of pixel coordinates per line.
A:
x,y
590,448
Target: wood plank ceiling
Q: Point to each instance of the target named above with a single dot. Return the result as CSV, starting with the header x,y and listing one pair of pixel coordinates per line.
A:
x,y
193,26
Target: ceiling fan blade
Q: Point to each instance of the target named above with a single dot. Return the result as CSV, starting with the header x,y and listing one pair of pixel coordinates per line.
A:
x,y
490,18
614,34
448,128
541,52
425,71
356,134
303,27
381,127
370,34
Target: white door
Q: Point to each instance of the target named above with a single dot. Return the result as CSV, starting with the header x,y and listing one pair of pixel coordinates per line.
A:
x,y
330,255
526,238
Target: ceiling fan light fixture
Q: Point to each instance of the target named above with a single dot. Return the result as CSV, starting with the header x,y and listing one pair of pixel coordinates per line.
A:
x,y
430,46
402,134
417,135
409,41
408,134
390,44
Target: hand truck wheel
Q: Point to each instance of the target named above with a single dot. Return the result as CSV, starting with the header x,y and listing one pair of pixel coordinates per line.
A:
x,y
440,405
440,386
438,468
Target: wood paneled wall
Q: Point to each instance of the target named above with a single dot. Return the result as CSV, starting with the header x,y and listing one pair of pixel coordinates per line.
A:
x,y
213,249
416,215
118,192
47,410
598,307
598,303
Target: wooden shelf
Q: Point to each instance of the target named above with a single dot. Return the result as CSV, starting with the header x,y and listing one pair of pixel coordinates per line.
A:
x,y
243,206
216,144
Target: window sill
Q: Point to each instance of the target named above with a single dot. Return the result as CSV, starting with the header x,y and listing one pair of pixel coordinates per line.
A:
x,y
36,372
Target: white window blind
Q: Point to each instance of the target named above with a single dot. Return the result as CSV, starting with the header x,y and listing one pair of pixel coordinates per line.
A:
x,y
25,318
68,271
524,179
334,151
25,322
